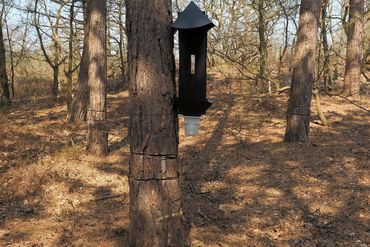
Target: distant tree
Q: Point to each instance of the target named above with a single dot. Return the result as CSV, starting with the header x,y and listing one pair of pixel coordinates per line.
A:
x,y
326,71
155,197
289,12
355,29
298,115
16,57
70,67
262,47
4,89
117,36
97,134
56,58
80,100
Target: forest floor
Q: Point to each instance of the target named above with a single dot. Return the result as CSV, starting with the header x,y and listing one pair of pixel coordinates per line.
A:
x,y
242,185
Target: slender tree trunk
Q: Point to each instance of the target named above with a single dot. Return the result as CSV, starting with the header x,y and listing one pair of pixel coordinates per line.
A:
x,y
4,90
56,61
81,94
298,115
283,52
324,37
121,49
69,91
352,77
11,56
291,62
155,196
55,87
57,58
97,134
262,46
112,71
69,73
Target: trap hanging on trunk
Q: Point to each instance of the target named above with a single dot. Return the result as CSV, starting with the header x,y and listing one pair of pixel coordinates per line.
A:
x,y
193,26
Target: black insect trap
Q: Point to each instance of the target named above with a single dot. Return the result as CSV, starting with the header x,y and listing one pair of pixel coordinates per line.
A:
x,y
193,26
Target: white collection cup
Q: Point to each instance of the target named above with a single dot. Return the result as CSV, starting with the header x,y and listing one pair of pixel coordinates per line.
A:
x,y
192,125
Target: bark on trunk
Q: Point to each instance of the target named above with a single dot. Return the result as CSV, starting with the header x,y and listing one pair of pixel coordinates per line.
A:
x,y
55,87
298,116
122,82
97,134
11,57
155,196
324,37
352,77
69,92
4,89
262,47
69,73
286,44
80,100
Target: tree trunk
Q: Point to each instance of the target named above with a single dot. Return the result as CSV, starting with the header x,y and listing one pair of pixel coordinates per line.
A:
x,y
298,115
324,37
69,91
4,89
69,73
11,57
155,196
111,74
283,52
122,82
56,61
262,47
352,77
55,87
80,100
97,133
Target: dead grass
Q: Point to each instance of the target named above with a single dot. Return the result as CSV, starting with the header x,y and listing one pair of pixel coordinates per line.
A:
x,y
242,185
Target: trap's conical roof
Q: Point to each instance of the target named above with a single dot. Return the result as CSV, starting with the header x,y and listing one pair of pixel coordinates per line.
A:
x,y
192,17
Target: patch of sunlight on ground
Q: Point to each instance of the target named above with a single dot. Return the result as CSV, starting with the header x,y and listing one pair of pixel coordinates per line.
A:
x,y
317,198
247,172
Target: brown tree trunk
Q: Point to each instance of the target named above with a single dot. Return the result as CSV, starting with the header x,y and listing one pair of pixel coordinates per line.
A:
x,y
262,47
122,82
97,134
56,61
80,100
4,89
324,37
352,77
69,73
69,92
55,87
298,115
11,58
283,52
155,197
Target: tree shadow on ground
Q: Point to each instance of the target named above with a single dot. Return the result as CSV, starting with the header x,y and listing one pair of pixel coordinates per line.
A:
x,y
263,193
41,152
242,186
104,222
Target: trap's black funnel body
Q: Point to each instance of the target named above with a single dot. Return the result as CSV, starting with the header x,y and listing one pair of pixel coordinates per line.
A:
x,y
193,25
191,18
